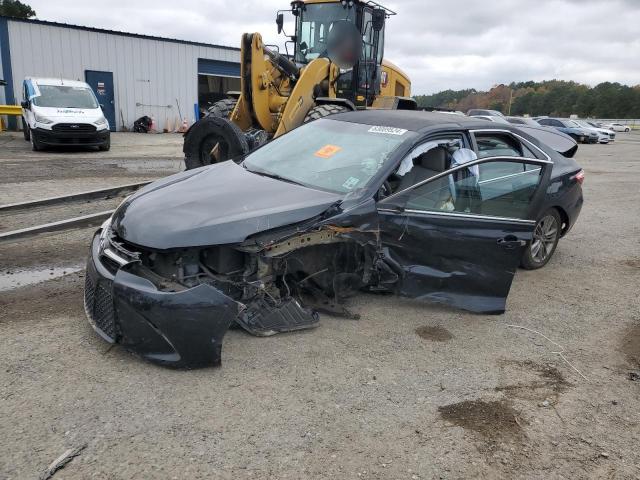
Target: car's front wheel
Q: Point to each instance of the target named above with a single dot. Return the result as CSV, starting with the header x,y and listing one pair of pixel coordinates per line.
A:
x,y
545,240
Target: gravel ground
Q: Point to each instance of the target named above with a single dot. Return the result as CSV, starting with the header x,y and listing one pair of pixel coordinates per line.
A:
x,y
408,391
27,175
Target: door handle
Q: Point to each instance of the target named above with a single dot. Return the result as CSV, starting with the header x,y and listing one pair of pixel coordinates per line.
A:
x,y
510,242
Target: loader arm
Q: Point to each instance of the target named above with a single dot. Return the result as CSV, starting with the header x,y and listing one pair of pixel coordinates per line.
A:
x,y
266,78
318,77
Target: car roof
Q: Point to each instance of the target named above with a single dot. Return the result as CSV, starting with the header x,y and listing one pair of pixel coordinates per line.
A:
x,y
413,120
56,82
427,122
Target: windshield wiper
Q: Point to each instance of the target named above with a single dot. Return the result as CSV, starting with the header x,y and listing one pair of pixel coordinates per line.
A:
x,y
275,176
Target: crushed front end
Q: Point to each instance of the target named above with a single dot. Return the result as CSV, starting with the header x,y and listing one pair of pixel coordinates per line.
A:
x,y
174,307
162,321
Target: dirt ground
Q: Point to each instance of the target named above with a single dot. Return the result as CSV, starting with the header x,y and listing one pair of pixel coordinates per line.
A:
x,y
409,391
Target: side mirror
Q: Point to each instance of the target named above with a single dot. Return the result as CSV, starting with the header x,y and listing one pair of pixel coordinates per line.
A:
x,y
26,104
378,19
280,22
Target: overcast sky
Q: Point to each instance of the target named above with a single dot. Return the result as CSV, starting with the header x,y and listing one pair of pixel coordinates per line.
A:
x,y
441,44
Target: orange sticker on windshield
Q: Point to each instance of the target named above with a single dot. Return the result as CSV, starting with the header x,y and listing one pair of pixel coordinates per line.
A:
x,y
328,151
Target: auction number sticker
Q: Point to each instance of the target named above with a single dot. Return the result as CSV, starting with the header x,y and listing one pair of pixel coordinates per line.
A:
x,y
328,151
388,130
351,183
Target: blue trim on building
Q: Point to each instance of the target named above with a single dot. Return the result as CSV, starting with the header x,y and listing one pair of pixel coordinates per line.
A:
x,y
218,67
116,32
5,57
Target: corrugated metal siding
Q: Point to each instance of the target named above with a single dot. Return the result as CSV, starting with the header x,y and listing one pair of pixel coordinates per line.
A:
x,y
148,74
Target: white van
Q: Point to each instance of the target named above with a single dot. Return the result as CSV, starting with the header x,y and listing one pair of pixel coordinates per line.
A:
x,y
62,112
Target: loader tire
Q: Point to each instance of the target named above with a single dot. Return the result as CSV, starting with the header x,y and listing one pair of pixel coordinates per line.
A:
x,y
208,132
320,111
222,108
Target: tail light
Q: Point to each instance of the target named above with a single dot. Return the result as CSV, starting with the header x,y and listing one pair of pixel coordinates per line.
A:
x,y
579,177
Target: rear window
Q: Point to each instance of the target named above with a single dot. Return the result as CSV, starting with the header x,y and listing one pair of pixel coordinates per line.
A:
x,y
62,96
501,145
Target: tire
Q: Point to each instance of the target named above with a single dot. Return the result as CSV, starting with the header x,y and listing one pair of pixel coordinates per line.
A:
x,y
26,131
106,146
545,240
222,108
627,130
320,111
208,132
35,145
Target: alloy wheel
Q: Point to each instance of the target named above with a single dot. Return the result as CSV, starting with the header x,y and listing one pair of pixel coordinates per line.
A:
x,y
544,238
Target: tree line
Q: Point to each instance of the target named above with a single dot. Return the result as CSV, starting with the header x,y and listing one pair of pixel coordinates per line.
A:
x,y
556,98
15,8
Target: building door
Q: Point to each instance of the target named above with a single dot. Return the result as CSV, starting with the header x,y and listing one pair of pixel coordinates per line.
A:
x,y
102,85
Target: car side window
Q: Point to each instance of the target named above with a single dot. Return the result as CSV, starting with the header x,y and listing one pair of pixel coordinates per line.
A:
x,y
498,188
426,160
501,145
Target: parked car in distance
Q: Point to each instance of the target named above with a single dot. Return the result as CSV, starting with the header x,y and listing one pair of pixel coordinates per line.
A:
x,y
609,135
523,121
578,133
428,206
58,112
482,112
491,118
617,127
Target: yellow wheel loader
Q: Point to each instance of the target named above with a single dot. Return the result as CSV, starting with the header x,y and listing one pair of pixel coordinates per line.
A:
x,y
337,65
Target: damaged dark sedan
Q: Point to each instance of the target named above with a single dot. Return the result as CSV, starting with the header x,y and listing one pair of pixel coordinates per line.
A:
x,y
424,205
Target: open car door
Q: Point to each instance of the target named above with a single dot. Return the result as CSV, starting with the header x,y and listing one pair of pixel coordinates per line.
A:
x,y
458,236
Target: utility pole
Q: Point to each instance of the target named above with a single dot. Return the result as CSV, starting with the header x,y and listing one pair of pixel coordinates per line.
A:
x,y
510,101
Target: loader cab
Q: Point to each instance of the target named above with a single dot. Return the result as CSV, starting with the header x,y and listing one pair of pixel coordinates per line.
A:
x,y
317,25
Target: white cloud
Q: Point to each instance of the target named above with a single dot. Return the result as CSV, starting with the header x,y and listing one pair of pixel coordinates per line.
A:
x,y
454,44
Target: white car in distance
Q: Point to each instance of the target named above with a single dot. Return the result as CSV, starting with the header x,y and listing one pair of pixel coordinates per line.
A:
x,y
604,135
617,127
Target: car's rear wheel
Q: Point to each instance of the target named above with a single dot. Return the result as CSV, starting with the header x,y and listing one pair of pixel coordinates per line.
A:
x,y
545,240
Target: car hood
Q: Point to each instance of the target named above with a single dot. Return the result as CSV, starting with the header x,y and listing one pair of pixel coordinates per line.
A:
x,y
214,205
63,114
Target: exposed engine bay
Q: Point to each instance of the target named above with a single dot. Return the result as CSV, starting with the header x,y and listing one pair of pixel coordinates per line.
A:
x,y
279,285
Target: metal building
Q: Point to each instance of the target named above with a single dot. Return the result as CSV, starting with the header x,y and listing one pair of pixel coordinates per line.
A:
x,y
133,75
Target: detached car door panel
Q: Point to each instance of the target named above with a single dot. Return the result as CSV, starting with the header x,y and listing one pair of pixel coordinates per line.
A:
x,y
459,237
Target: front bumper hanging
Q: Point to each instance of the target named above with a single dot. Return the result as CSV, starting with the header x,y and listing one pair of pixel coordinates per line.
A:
x,y
179,329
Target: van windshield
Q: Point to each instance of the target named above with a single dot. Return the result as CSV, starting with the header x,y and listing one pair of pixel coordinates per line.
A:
x,y
61,96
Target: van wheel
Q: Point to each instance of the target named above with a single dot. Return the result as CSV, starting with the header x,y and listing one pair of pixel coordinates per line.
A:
x,y
25,130
106,146
36,146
